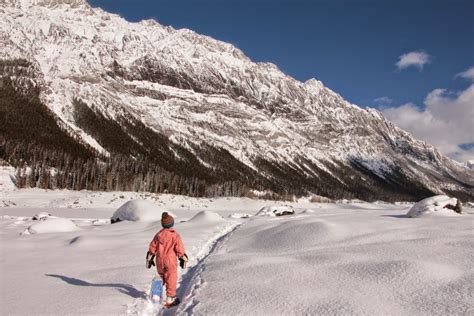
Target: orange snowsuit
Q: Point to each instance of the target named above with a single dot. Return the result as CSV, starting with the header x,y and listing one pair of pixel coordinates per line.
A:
x,y
167,247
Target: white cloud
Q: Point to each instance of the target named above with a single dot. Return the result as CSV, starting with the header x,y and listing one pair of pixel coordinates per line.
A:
x,y
468,74
463,155
415,59
446,122
383,101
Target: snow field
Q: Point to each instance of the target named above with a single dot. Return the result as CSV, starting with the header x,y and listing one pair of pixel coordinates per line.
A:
x,y
365,263
333,259
99,270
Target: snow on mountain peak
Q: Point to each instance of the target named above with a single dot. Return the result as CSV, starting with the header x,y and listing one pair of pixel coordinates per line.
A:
x,y
313,86
25,4
198,90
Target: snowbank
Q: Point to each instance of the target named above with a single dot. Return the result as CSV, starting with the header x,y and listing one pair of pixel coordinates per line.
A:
x,y
436,205
52,225
41,216
240,215
137,210
206,217
276,210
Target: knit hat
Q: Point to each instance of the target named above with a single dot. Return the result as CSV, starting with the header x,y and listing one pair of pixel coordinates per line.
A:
x,y
167,220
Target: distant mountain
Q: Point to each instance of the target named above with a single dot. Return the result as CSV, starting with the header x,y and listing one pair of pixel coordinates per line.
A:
x,y
90,100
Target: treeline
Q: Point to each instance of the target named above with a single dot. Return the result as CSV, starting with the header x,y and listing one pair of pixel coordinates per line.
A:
x,y
340,181
47,155
40,165
118,173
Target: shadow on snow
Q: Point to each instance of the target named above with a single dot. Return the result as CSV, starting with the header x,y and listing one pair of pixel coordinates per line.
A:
x,y
396,216
122,288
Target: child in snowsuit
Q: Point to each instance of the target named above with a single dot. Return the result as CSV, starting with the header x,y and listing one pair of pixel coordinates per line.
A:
x,y
168,247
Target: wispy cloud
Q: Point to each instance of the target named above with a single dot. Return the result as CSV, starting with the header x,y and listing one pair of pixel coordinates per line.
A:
x,y
383,101
446,122
468,74
413,59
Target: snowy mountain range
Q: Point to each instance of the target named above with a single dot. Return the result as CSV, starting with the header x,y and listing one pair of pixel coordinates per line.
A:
x,y
203,104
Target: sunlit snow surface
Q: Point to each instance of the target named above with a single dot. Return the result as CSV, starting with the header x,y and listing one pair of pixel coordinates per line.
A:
x,y
436,205
334,259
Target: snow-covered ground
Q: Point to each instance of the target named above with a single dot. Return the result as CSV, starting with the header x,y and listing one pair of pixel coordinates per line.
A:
x,y
334,259
351,261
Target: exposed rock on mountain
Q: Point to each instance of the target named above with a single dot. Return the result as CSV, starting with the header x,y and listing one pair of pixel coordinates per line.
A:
x,y
186,105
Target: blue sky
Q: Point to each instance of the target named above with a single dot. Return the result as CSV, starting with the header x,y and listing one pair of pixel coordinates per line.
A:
x,y
352,46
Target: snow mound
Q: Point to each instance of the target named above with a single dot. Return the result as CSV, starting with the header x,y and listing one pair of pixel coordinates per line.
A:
x,y
41,216
7,178
436,205
206,217
52,225
240,215
137,211
276,210
292,235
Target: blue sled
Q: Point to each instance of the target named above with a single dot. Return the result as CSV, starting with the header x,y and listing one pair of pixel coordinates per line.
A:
x,y
156,289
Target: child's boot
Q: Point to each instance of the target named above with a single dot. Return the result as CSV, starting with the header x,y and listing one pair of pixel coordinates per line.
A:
x,y
171,301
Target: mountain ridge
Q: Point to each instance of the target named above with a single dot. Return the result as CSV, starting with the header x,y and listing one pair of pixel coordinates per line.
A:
x,y
196,91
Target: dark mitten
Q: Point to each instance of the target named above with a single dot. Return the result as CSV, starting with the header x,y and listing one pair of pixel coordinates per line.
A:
x,y
150,260
183,261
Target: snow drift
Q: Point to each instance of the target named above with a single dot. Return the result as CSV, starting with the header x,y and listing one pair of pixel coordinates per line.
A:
x,y
52,225
437,205
240,215
41,216
137,210
276,210
206,217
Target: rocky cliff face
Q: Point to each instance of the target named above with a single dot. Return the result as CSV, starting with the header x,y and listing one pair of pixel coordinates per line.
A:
x,y
210,104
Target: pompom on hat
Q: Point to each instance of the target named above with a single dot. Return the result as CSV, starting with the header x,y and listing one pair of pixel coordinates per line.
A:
x,y
167,221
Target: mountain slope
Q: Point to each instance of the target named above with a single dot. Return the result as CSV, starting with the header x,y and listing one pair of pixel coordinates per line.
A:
x,y
200,108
